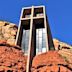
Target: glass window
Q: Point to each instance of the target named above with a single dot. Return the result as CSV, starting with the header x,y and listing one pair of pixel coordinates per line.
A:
x,y
44,31
40,33
37,36
40,47
25,41
43,44
41,40
44,37
44,49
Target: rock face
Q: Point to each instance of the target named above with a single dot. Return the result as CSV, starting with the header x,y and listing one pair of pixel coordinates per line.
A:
x,y
50,62
67,55
64,50
61,45
12,59
8,32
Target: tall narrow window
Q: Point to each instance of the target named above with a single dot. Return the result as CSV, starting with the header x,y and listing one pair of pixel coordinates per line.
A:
x,y
40,41
25,41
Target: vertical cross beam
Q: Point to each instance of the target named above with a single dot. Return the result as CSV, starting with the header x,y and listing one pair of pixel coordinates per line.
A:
x,y
31,50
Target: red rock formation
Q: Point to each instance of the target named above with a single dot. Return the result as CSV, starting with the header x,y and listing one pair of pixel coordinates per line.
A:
x,y
50,62
67,55
12,59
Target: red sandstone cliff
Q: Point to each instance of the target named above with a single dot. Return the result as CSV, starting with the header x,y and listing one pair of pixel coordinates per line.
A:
x,y
51,61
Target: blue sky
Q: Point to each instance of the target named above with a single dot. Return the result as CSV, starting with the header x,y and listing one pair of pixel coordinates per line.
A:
x,y
59,14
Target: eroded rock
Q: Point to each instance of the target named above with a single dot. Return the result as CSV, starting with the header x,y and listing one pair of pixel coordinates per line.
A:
x,y
8,32
12,59
50,62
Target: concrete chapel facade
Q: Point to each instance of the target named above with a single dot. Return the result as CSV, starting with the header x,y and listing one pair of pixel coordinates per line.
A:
x,y
34,35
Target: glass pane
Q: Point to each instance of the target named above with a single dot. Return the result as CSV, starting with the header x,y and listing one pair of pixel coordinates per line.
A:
x,y
43,49
27,35
43,44
44,31
40,47
37,36
40,34
44,36
40,40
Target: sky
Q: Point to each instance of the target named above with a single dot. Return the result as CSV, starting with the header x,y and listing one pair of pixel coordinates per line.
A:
x,y
59,13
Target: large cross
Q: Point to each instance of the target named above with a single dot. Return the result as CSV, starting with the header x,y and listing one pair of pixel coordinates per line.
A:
x,y
33,18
